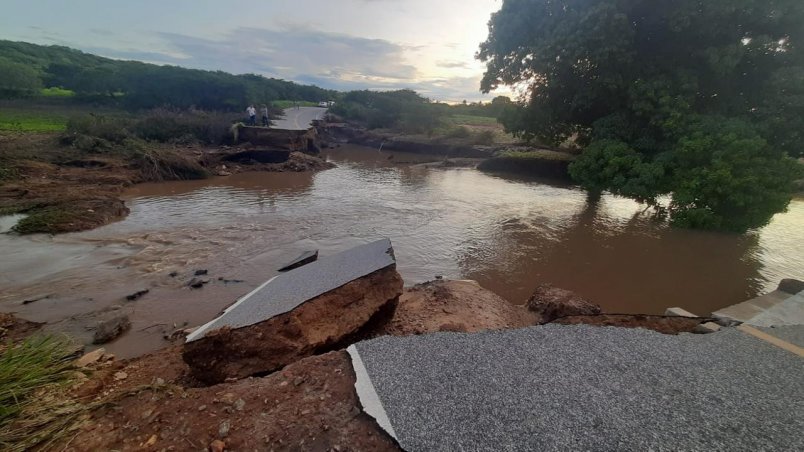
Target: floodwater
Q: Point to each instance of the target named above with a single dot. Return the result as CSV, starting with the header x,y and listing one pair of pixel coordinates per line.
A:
x,y
510,235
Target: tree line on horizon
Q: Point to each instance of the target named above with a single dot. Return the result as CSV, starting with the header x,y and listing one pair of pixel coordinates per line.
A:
x,y
28,68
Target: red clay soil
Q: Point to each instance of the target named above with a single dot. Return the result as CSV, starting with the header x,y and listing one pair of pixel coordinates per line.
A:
x,y
460,306
660,323
309,405
317,325
13,329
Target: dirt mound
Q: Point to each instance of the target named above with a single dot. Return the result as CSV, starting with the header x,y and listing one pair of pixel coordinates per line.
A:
x,y
444,305
551,302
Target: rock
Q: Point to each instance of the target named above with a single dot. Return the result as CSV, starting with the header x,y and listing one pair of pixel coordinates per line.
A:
x,y
551,303
239,404
217,446
201,272
151,441
679,312
109,330
223,429
297,314
173,274
90,358
791,286
120,376
137,295
312,327
197,283
705,328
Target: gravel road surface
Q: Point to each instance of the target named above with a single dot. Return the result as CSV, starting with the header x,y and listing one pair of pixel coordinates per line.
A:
x,y
578,387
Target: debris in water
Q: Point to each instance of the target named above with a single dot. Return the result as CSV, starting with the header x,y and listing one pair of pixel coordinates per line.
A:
x,y
137,295
196,283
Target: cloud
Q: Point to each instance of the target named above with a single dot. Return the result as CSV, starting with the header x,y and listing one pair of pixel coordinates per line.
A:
x,y
452,64
306,55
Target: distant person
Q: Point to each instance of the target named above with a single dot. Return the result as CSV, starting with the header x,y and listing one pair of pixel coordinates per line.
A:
x,y
264,112
252,115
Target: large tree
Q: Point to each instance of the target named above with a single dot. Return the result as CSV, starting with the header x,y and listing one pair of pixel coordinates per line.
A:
x,y
699,100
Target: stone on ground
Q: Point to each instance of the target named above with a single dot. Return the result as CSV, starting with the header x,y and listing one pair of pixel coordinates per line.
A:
x,y
552,303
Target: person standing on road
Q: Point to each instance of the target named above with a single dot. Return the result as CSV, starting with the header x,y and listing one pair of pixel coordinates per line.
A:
x,y
264,112
252,115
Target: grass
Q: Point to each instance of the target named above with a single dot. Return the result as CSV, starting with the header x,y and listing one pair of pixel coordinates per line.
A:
x,y
31,122
56,92
292,103
539,154
35,408
468,120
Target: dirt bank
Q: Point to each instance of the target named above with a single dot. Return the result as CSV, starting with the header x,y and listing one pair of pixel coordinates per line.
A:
x,y
153,402
63,189
453,306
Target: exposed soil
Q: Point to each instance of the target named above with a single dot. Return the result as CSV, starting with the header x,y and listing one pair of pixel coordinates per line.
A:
x,y
317,325
309,405
459,306
63,189
660,323
13,329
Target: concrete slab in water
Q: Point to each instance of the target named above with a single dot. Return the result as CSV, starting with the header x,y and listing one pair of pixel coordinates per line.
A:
x,y
288,290
747,310
579,387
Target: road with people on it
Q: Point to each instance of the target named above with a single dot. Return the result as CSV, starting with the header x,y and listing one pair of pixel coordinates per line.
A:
x,y
298,118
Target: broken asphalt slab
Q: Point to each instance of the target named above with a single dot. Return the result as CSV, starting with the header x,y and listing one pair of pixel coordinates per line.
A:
x,y
579,387
284,292
310,310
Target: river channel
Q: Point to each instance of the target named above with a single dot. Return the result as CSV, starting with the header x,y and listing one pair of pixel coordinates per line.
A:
x,y
508,234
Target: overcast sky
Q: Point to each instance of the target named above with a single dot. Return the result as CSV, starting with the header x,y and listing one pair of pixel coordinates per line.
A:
x,y
426,45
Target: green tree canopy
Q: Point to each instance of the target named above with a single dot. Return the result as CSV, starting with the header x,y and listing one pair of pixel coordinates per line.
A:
x,y
699,100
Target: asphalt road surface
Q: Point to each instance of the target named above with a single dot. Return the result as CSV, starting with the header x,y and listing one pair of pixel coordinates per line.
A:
x,y
298,119
579,387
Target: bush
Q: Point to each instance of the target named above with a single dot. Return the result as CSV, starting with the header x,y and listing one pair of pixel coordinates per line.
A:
x,y
159,165
172,126
485,137
458,132
112,130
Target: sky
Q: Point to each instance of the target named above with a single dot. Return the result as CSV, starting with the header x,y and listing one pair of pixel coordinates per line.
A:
x,y
425,45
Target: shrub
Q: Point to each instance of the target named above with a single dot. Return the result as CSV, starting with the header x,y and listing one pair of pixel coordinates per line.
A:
x,y
162,164
175,126
113,130
459,132
485,137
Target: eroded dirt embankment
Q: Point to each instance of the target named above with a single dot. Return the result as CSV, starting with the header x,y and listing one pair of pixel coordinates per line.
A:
x,y
311,404
64,189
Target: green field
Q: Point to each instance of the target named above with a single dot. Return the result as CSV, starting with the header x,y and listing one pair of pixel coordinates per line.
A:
x,y
26,121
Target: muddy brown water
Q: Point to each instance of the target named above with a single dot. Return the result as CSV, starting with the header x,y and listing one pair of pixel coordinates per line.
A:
x,y
507,234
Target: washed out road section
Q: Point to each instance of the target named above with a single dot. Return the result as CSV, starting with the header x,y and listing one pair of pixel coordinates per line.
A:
x,y
562,387
283,293
298,118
